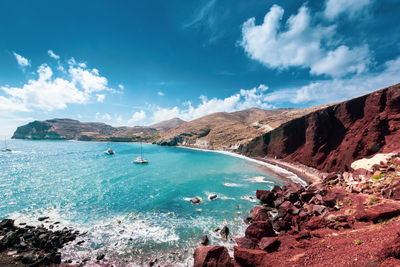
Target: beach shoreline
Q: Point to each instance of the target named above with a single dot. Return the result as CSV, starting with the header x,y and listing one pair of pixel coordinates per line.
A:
x,y
297,174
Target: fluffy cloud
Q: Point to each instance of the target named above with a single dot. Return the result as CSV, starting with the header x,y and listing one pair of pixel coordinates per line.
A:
x,y
137,118
53,55
334,8
23,62
242,100
49,93
328,91
160,93
100,97
314,93
104,117
300,44
342,61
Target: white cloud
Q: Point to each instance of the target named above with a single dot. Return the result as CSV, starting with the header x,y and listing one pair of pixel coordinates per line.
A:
x,y
137,118
300,44
89,80
334,8
342,61
160,93
23,62
242,100
53,55
335,90
104,117
49,93
100,97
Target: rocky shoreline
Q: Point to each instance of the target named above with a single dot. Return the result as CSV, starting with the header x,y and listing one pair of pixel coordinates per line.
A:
x,y
32,245
348,219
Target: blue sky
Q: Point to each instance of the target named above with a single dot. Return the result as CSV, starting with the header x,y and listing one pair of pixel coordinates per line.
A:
x,y
140,62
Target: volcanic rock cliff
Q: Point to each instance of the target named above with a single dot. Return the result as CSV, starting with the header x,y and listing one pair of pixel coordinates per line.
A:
x,y
330,139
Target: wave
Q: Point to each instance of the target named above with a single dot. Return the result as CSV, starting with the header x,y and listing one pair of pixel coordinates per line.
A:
x,y
232,185
259,179
249,198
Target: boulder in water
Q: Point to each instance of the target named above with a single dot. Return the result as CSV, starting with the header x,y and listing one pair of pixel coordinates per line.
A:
x,y
224,233
212,197
195,200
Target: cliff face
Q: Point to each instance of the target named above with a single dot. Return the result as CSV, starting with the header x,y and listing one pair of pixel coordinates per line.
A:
x,y
224,130
330,139
66,129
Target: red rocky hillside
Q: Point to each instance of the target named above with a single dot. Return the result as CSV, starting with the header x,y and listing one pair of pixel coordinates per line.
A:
x,y
330,139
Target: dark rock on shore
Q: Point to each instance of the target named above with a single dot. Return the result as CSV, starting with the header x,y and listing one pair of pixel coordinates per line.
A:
x,y
204,240
34,245
224,233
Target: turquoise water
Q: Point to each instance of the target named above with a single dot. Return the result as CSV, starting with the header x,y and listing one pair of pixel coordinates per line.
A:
x,y
132,212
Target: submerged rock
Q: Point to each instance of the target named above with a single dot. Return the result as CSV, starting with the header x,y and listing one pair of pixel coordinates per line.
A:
x,y
212,197
43,218
100,257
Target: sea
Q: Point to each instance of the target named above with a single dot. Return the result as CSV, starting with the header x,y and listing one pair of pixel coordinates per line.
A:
x,y
133,214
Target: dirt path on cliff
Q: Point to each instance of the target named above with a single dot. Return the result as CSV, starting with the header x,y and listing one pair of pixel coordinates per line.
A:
x,y
310,175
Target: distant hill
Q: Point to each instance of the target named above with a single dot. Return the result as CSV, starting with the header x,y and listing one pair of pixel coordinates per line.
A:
x,y
168,124
67,129
224,130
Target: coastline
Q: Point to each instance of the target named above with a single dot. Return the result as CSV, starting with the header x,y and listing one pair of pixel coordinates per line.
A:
x,y
287,170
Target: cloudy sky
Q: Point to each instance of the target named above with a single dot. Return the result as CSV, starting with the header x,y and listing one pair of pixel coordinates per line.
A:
x,y
140,62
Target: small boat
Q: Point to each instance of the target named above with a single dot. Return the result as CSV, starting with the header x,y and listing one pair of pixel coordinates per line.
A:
x,y
140,160
6,149
109,151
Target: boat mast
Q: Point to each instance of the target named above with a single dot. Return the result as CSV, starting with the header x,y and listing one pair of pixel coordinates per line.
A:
x,y
141,149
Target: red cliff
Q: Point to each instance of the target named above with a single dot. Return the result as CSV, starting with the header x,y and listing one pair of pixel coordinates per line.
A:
x,y
330,139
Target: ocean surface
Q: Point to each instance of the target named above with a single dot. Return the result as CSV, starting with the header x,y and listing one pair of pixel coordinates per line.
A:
x,y
132,213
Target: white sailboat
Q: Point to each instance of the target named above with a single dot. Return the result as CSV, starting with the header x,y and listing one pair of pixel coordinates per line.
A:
x,y
6,149
141,160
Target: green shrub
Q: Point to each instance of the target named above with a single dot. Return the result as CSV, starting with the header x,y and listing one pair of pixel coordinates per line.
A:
x,y
378,177
358,242
372,200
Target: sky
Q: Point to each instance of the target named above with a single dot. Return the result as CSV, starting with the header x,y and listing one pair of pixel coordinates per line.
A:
x,y
141,62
